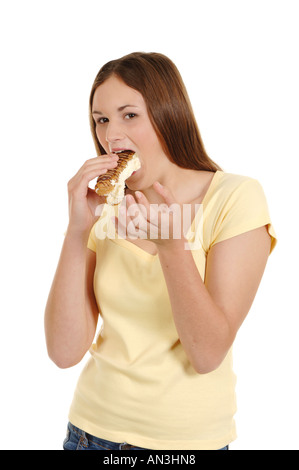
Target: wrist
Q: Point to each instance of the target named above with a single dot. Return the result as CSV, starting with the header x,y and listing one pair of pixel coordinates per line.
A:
x,y
77,233
172,246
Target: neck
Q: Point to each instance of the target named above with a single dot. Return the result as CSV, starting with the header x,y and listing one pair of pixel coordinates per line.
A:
x,y
184,184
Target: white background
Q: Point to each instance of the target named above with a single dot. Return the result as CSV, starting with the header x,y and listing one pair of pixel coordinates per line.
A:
x,y
239,60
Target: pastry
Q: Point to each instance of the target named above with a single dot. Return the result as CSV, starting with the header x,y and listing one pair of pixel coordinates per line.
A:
x,y
112,183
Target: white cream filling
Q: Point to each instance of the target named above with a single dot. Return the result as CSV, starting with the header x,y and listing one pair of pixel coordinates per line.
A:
x,y
118,192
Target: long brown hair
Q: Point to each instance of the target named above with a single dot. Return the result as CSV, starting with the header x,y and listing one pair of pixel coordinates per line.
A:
x,y
158,80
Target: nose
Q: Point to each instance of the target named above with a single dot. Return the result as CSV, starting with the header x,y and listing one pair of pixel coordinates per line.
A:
x,y
114,132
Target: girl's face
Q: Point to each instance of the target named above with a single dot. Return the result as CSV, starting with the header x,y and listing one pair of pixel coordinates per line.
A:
x,y
122,123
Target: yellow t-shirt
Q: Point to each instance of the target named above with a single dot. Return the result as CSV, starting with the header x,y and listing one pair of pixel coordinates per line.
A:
x,y
138,385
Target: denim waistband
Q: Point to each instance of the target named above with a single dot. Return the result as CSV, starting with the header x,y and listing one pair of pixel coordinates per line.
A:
x,y
86,440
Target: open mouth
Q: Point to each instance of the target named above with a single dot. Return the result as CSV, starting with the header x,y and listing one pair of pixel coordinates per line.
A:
x,y
123,150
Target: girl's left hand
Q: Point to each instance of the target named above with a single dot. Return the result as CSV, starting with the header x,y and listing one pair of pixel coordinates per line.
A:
x,y
158,223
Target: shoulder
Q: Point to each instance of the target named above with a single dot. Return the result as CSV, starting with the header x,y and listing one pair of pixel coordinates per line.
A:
x,y
232,189
230,182
236,204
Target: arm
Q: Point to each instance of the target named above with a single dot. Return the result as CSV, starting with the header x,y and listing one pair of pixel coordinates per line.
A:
x,y
71,312
208,314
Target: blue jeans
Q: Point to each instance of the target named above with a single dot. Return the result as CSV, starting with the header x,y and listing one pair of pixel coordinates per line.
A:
x,y
76,439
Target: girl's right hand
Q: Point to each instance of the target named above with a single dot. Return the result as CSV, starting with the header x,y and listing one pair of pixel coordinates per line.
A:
x,y
83,200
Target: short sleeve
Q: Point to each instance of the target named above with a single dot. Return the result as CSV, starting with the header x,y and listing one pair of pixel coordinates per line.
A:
x,y
102,228
245,209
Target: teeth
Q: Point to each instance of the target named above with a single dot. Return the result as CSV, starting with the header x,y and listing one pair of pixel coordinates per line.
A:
x,y
124,150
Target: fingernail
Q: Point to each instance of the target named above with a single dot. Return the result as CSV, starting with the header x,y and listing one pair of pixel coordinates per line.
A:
x,y
130,198
138,194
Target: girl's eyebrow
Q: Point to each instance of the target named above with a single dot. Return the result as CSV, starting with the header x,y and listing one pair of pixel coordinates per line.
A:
x,y
119,109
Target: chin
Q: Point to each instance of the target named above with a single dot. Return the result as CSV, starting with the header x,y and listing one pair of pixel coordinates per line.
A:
x,y
134,182
133,187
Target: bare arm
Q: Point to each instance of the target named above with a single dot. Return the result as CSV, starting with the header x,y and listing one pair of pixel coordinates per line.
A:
x,y
71,312
208,314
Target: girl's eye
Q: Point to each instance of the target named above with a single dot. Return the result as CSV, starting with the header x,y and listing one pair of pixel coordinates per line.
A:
x,y
130,116
102,120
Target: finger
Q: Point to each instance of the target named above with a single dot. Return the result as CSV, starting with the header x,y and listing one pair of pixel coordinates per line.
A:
x,y
164,192
101,159
152,213
129,212
92,168
88,172
120,227
136,219
143,204
126,223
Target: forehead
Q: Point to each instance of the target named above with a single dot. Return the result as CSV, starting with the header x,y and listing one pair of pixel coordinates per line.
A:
x,y
115,93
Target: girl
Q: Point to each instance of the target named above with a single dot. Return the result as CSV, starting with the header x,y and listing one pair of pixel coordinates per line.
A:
x,y
160,373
